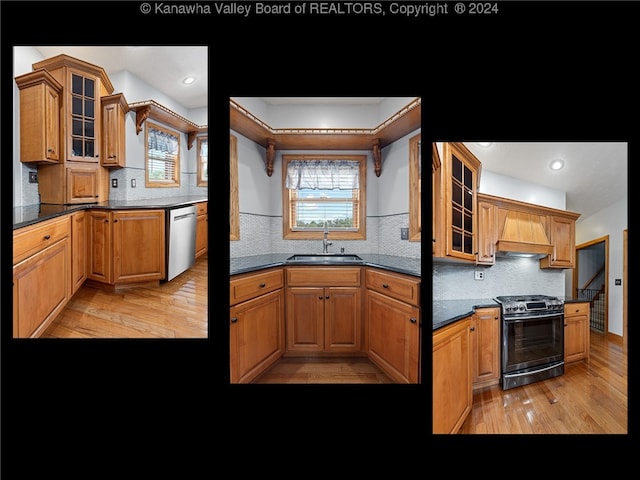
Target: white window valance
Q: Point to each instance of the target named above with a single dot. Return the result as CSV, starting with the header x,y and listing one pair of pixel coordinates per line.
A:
x,y
323,174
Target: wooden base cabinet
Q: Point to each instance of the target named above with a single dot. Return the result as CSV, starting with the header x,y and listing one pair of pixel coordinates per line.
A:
x,y
126,246
202,226
41,275
485,346
393,324
325,317
256,329
452,374
576,332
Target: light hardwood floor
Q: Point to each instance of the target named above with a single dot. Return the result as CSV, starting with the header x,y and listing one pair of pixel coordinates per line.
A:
x,y
590,398
324,370
175,309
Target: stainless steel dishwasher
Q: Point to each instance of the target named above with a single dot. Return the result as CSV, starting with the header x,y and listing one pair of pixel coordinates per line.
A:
x,y
181,239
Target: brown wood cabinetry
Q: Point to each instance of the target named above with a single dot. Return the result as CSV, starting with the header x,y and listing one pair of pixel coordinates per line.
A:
x,y
67,148
455,204
562,234
39,117
452,376
114,110
202,229
576,332
256,323
78,250
323,310
485,346
392,337
126,246
487,233
41,275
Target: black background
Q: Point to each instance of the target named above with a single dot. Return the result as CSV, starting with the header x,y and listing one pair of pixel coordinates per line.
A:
x,y
535,71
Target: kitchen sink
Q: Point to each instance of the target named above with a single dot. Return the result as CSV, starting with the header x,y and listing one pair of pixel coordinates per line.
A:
x,y
324,258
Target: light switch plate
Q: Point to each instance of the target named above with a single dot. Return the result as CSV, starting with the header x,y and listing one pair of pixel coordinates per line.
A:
x,y
404,234
133,183
114,182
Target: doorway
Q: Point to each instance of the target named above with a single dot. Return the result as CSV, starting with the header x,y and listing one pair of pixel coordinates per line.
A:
x,y
590,280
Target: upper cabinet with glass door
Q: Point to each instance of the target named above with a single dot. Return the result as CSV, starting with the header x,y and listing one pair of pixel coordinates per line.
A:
x,y
83,85
455,204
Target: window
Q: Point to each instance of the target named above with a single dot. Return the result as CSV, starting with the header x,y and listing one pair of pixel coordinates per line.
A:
x,y
162,157
203,165
415,189
324,188
234,210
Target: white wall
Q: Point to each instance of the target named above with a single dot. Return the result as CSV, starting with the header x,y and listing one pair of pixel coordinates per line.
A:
x,y
493,183
609,221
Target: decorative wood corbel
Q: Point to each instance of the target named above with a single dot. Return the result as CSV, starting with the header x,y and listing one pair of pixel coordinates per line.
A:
x,y
271,155
191,136
377,156
141,116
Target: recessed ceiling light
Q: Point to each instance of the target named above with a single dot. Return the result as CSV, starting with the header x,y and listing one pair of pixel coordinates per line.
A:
x,y
556,165
484,144
188,80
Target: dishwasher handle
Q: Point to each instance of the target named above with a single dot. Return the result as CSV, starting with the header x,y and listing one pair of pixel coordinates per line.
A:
x,y
181,217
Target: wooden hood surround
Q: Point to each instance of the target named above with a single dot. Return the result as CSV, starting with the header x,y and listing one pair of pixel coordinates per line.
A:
x,y
375,139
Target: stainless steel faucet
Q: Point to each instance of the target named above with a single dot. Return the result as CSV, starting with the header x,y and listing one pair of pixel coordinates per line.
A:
x,y
325,242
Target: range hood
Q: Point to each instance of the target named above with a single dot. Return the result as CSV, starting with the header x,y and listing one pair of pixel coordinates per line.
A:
x,y
523,235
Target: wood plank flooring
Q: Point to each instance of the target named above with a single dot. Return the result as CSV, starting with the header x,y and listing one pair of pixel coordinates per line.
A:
x,y
590,398
324,370
175,309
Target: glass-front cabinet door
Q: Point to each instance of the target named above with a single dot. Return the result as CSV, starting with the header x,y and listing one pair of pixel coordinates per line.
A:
x,y
461,177
83,121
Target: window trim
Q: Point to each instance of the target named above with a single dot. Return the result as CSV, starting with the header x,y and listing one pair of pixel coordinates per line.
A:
x,y
175,182
199,181
360,234
234,206
415,190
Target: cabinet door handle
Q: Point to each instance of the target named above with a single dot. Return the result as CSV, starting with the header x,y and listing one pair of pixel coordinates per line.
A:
x,y
262,285
413,320
565,324
473,329
385,285
234,320
320,297
47,237
327,297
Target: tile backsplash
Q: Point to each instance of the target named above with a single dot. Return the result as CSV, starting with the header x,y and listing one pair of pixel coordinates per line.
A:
x,y
262,234
509,276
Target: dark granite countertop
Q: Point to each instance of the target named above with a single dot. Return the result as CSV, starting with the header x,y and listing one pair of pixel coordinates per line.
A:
x,y
446,312
406,265
30,214
573,300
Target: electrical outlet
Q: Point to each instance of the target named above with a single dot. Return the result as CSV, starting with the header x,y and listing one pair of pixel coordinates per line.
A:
x,y
33,177
478,275
404,234
114,182
133,183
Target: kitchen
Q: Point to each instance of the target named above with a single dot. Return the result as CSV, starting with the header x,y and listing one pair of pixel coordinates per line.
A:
x,y
110,176
529,287
325,258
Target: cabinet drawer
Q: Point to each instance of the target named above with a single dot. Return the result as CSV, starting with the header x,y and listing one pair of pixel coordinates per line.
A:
x,y
201,208
576,308
323,276
400,287
32,239
247,286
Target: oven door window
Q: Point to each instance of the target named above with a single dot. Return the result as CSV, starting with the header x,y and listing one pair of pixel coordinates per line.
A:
x,y
531,342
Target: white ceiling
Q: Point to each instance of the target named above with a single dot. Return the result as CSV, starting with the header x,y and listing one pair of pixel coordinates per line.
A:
x,y
162,67
594,175
322,100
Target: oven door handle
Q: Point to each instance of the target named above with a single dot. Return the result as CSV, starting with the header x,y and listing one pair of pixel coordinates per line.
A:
x,y
533,317
557,364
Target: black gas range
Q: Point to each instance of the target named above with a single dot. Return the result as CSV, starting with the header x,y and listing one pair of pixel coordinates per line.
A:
x,y
532,331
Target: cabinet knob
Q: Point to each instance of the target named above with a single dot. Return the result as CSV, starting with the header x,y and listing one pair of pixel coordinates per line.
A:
x,y
320,297
234,320
565,324
262,285
472,329
385,285
413,320
115,221
47,237
327,297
